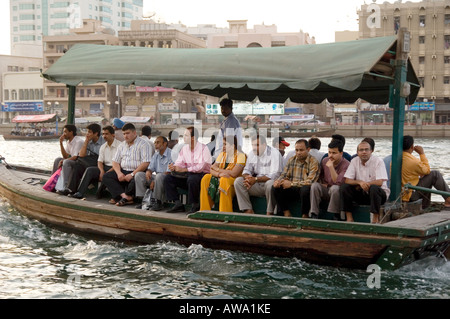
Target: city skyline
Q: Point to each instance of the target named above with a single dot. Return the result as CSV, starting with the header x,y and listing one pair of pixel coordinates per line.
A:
x,y
338,16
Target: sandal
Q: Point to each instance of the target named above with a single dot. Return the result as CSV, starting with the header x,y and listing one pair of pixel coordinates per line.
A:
x,y
112,201
124,201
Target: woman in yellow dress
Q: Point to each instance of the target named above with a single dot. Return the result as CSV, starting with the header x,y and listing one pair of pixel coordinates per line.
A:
x,y
218,186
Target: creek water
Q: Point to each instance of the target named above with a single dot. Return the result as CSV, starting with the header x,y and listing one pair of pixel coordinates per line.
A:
x,y
37,261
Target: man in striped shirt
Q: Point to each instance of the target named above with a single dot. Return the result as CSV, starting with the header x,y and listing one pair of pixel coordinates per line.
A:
x,y
295,182
132,156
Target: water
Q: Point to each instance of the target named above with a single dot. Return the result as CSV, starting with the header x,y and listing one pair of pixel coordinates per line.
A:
x,y
37,261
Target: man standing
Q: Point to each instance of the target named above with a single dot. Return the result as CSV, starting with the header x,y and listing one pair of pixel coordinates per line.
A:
x,y
132,156
230,126
331,177
73,146
298,175
365,183
417,172
73,170
156,173
104,163
263,167
194,161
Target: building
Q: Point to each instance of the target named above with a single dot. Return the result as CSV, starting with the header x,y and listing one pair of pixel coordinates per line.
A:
x,y
32,20
9,92
163,105
429,25
99,99
266,36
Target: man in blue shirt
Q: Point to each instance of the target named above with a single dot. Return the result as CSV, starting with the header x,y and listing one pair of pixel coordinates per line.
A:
x,y
156,173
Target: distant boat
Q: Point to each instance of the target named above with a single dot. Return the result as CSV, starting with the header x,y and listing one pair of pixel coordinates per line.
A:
x,y
307,133
33,119
9,137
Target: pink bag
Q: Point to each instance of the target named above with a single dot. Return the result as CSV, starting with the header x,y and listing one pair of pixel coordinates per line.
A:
x,y
50,184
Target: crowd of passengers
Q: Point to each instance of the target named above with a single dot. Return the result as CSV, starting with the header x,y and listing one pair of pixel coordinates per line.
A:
x,y
127,164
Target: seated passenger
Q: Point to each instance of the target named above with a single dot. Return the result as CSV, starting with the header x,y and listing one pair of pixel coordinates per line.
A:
x,y
193,162
295,182
155,175
73,170
417,172
104,163
218,186
132,156
118,125
341,138
331,177
146,134
72,148
365,183
263,167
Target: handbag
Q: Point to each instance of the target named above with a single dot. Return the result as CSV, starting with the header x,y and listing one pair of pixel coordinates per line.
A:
x,y
213,189
51,183
88,161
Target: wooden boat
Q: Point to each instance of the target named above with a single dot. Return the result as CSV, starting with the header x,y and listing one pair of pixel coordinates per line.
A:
x,y
273,76
9,137
326,242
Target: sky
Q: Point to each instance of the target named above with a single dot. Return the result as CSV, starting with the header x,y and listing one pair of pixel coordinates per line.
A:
x,y
319,18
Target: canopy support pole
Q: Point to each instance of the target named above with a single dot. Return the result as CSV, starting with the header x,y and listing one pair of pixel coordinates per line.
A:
x,y
71,105
397,102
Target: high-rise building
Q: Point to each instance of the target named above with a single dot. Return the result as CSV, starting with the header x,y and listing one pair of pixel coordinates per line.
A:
x,y
428,22
31,20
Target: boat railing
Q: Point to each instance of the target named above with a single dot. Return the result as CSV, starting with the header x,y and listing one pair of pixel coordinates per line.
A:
x,y
429,190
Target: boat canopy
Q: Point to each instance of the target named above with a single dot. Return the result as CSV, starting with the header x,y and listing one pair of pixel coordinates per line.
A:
x,y
341,72
45,118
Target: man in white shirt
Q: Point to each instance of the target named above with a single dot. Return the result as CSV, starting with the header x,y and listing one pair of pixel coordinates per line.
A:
x,y
73,145
146,134
132,156
365,183
263,167
104,164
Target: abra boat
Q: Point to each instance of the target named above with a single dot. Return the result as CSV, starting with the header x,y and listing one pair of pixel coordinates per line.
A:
x,y
325,242
33,120
340,72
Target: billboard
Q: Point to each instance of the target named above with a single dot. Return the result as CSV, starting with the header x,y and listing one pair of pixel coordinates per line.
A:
x,y
23,107
249,109
423,106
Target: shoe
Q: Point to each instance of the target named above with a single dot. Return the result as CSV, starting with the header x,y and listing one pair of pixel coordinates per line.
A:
x,y
76,195
64,192
138,206
100,190
124,201
157,207
177,208
195,208
314,216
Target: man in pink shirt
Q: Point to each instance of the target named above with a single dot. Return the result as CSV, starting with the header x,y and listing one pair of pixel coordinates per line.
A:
x,y
194,161
333,168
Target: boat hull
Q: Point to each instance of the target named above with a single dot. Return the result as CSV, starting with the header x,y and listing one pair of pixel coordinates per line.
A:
x,y
322,242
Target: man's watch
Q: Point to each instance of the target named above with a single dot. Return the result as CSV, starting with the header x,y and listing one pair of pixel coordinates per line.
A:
x,y
132,174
